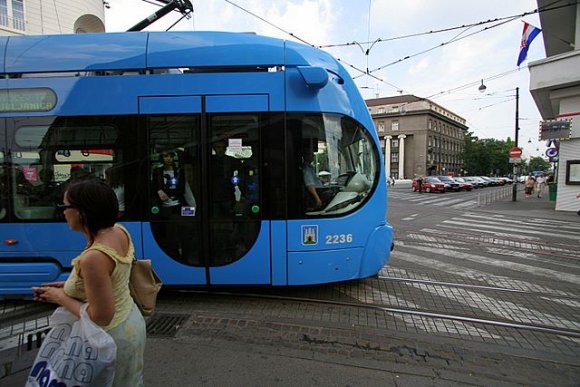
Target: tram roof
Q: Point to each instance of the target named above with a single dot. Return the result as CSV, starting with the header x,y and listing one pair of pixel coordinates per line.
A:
x,y
153,50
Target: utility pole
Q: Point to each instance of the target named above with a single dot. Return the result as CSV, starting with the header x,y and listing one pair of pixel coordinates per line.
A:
x,y
515,171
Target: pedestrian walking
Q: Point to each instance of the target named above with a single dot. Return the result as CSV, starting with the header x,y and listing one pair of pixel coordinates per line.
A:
x,y
540,184
99,281
529,186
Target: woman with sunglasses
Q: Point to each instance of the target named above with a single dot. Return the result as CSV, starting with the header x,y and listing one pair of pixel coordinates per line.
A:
x,y
100,275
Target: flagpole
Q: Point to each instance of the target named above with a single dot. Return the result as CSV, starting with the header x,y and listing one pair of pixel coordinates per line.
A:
x,y
515,171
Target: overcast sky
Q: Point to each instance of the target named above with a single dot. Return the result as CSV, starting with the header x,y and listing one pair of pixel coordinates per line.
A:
x,y
448,74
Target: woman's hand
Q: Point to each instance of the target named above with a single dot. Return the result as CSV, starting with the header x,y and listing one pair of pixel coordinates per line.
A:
x,y
53,294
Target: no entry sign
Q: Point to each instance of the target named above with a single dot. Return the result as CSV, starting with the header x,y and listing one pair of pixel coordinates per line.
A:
x,y
515,152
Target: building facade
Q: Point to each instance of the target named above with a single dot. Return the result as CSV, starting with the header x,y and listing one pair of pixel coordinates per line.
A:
x,y
42,17
418,137
555,86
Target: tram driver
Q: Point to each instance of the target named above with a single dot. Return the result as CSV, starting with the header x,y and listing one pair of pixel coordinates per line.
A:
x,y
311,180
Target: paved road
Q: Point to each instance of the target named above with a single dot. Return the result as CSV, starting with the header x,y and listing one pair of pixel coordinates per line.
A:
x,y
505,261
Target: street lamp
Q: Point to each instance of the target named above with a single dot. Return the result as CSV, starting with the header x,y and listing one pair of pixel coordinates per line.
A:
x,y
482,89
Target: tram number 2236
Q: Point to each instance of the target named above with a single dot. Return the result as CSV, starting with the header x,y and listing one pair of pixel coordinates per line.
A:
x,y
338,239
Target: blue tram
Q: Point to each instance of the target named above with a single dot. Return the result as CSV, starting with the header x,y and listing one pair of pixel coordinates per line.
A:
x,y
237,159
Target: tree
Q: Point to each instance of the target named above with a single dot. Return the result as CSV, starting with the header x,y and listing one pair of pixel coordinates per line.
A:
x,y
539,164
487,156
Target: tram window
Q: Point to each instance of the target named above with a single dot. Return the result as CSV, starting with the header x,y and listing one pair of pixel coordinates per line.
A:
x,y
176,185
337,162
235,200
48,154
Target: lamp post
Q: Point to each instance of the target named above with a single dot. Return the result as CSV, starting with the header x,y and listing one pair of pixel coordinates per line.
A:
x,y
482,89
517,129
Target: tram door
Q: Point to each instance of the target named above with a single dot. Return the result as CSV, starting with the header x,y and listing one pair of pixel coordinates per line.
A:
x,y
205,204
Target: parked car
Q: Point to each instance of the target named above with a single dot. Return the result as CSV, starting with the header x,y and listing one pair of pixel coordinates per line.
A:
x,y
464,184
488,181
450,184
429,184
471,180
498,180
507,180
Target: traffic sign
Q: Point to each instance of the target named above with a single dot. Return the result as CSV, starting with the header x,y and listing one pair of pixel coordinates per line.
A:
x,y
552,152
515,160
515,152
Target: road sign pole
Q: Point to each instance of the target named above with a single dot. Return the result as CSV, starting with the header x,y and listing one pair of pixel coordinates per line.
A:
x,y
515,171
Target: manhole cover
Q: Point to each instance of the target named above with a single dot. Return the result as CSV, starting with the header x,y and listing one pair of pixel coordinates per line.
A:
x,y
165,325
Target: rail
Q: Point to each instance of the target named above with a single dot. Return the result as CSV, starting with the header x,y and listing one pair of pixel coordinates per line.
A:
x,y
487,197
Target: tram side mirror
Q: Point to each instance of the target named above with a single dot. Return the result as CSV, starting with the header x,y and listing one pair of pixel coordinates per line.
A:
x,y
358,183
314,77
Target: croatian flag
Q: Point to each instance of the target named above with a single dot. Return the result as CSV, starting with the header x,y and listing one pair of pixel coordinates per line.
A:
x,y
530,32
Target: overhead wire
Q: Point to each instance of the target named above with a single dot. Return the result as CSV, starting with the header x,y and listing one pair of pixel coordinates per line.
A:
x,y
269,23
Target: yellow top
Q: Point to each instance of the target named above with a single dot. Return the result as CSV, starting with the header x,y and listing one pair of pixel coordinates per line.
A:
x,y
75,287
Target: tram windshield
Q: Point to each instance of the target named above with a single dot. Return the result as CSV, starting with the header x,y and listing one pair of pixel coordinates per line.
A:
x,y
339,163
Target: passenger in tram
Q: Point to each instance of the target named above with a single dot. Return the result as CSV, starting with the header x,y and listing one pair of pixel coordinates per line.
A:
x,y
114,178
311,180
174,196
225,171
226,176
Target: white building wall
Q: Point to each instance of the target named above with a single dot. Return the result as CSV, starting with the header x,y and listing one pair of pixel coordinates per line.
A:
x,y
42,17
567,201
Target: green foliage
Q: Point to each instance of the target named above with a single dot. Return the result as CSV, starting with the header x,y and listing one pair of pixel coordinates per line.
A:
x,y
539,164
487,156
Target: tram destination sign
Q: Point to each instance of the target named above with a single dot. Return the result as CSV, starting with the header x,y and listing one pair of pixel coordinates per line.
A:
x,y
560,129
27,100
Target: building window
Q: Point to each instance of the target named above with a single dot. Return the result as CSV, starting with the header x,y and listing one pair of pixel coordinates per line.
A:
x,y
394,157
18,14
395,143
381,110
381,126
3,13
395,126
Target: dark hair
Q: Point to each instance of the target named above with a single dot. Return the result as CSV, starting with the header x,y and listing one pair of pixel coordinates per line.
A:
x,y
97,203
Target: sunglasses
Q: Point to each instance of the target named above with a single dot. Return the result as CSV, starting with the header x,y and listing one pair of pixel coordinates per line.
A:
x,y
63,207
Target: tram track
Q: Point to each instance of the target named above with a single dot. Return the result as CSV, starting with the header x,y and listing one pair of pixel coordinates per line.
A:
x,y
503,323
476,287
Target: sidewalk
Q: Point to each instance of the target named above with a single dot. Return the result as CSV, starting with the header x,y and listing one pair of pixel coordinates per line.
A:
x,y
532,207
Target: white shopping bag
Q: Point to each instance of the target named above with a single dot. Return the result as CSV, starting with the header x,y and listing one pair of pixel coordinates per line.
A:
x,y
75,352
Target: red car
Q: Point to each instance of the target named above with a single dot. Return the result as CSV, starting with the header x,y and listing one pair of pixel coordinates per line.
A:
x,y
428,184
465,185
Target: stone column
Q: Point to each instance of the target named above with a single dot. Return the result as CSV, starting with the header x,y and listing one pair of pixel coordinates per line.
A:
x,y
388,155
402,138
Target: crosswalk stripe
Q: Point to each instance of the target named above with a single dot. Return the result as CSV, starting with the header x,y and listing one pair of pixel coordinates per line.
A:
x,y
520,229
504,264
536,222
448,202
435,200
469,203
